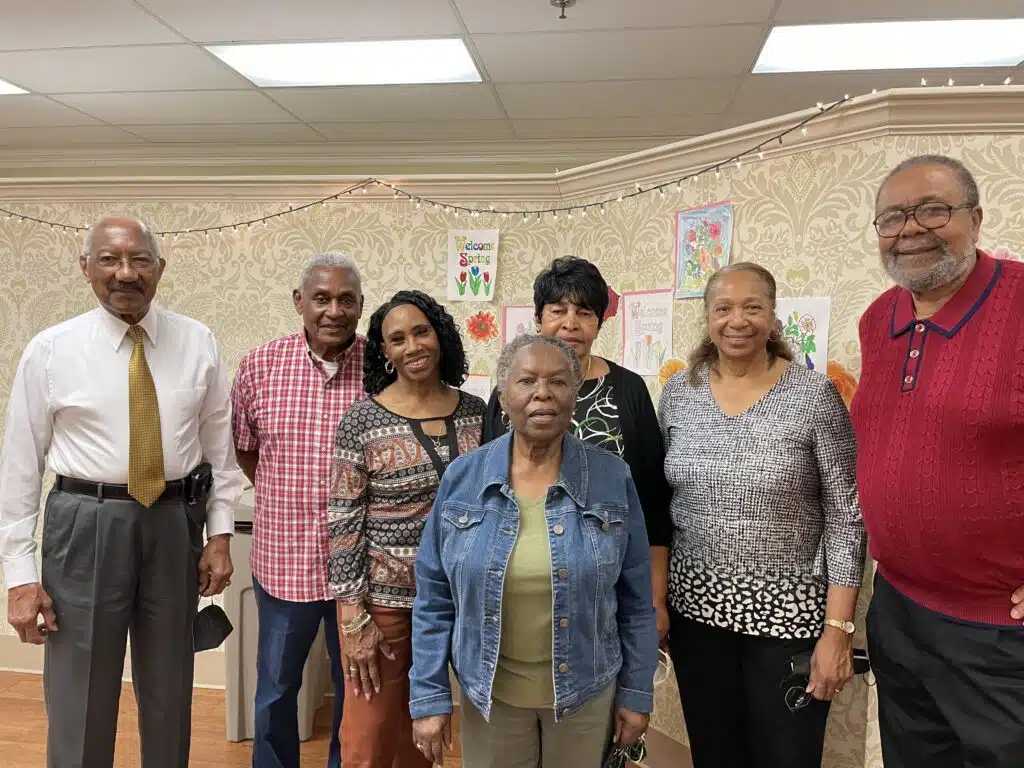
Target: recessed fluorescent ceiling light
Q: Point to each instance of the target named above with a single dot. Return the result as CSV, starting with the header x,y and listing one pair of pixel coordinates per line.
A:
x,y
7,89
385,62
893,45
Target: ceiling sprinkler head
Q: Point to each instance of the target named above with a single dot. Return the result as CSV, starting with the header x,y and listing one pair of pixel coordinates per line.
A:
x,y
563,4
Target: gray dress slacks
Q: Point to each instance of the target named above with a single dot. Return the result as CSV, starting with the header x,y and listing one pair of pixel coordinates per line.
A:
x,y
112,568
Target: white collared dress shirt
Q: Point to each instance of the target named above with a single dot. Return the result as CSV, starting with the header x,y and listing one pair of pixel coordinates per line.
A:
x,y
68,412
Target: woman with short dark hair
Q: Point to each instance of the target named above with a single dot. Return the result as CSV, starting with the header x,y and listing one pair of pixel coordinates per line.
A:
x,y
613,409
390,453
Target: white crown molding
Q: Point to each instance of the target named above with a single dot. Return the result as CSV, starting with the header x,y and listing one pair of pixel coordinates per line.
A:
x,y
916,111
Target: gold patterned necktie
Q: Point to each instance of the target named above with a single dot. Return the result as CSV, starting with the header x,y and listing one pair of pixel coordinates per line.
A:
x,y
145,449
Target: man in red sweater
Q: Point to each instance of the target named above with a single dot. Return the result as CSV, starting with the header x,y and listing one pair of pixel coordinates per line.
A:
x,y
939,417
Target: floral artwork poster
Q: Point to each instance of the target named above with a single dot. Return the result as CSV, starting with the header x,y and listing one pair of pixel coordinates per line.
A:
x,y
515,321
803,324
703,245
646,330
472,264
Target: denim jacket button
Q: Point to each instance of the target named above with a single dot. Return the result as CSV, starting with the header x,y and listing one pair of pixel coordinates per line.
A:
x,y
605,526
559,530
563,623
563,574
563,668
464,519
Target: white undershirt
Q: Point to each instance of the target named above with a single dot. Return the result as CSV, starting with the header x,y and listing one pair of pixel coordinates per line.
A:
x,y
330,366
68,412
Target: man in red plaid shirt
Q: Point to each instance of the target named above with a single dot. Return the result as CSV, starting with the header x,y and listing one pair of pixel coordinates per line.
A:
x,y
287,399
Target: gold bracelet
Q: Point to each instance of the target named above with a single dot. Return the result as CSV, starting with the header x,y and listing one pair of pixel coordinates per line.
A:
x,y
357,624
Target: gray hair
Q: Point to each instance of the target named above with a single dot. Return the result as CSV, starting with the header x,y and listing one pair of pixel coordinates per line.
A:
x,y
330,260
968,183
519,343
144,228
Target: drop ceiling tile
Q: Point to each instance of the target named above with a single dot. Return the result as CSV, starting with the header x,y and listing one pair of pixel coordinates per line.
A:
x,y
469,101
59,138
63,24
272,20
28,111
234,133
185,107
421,130
616,99
638,54
818,12
763,96
667,127
539,16
129,68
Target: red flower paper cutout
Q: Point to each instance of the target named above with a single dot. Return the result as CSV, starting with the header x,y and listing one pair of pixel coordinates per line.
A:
x,y
482,327
613,304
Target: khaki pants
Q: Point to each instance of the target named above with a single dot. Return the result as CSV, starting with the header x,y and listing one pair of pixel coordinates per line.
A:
x,y
528,738
378,733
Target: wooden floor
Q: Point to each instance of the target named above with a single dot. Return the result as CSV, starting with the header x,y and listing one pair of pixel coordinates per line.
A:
x,y
23,730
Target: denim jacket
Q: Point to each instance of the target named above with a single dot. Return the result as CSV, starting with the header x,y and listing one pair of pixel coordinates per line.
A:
x,y
604,626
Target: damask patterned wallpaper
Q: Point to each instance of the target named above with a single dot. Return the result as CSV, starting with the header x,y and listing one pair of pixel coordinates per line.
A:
x,y
805,216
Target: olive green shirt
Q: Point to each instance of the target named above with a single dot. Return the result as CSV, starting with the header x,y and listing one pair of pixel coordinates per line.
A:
x,y
524,677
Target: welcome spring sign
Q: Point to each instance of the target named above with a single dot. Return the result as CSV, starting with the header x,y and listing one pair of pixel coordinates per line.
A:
x,y
472,264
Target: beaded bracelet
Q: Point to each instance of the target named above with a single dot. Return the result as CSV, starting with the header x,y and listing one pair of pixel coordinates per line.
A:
x,y
357,624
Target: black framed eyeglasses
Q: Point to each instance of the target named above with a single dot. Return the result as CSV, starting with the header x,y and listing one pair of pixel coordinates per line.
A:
x,y
927,215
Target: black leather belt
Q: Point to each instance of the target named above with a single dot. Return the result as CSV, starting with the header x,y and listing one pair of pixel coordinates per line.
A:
x,y
175,489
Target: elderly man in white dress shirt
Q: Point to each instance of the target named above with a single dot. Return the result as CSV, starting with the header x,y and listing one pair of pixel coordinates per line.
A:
x,y
128,405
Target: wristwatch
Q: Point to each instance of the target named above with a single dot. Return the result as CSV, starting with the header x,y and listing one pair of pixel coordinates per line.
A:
x,y
847,626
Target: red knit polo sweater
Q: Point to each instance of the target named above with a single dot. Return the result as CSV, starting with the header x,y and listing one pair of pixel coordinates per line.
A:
x,y
939,418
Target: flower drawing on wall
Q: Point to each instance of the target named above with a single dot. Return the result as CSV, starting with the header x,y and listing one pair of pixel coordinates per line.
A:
x,y
482,327
703,245
647,352
475,279
844,381
798,331
670,369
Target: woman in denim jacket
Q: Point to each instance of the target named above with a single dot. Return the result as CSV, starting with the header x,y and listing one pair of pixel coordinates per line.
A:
x,y
533,580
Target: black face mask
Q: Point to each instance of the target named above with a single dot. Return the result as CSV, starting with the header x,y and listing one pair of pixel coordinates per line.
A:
x,y
210,628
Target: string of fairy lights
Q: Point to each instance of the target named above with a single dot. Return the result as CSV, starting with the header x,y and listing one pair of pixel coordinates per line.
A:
x,y
568,209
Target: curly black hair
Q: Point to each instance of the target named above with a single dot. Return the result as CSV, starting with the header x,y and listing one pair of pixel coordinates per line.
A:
x,y
570,278
454,366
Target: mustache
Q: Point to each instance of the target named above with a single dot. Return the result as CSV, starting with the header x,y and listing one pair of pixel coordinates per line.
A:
x,y
932,242
132,287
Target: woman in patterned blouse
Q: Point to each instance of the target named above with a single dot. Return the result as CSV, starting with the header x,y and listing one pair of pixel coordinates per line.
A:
x,y
768,544
390,453
613,409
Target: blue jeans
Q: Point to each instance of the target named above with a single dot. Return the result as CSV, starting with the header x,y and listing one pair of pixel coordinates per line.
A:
x,y
286,634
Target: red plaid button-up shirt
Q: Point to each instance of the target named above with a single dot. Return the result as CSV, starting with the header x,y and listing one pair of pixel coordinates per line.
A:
x,y
285,406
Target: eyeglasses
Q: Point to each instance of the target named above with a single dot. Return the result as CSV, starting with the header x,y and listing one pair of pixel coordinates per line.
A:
x,y
664,669
621,757
927,215
138,263
797,698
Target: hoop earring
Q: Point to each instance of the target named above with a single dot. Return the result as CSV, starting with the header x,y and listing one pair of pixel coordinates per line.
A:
x,y
506,422
389,367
